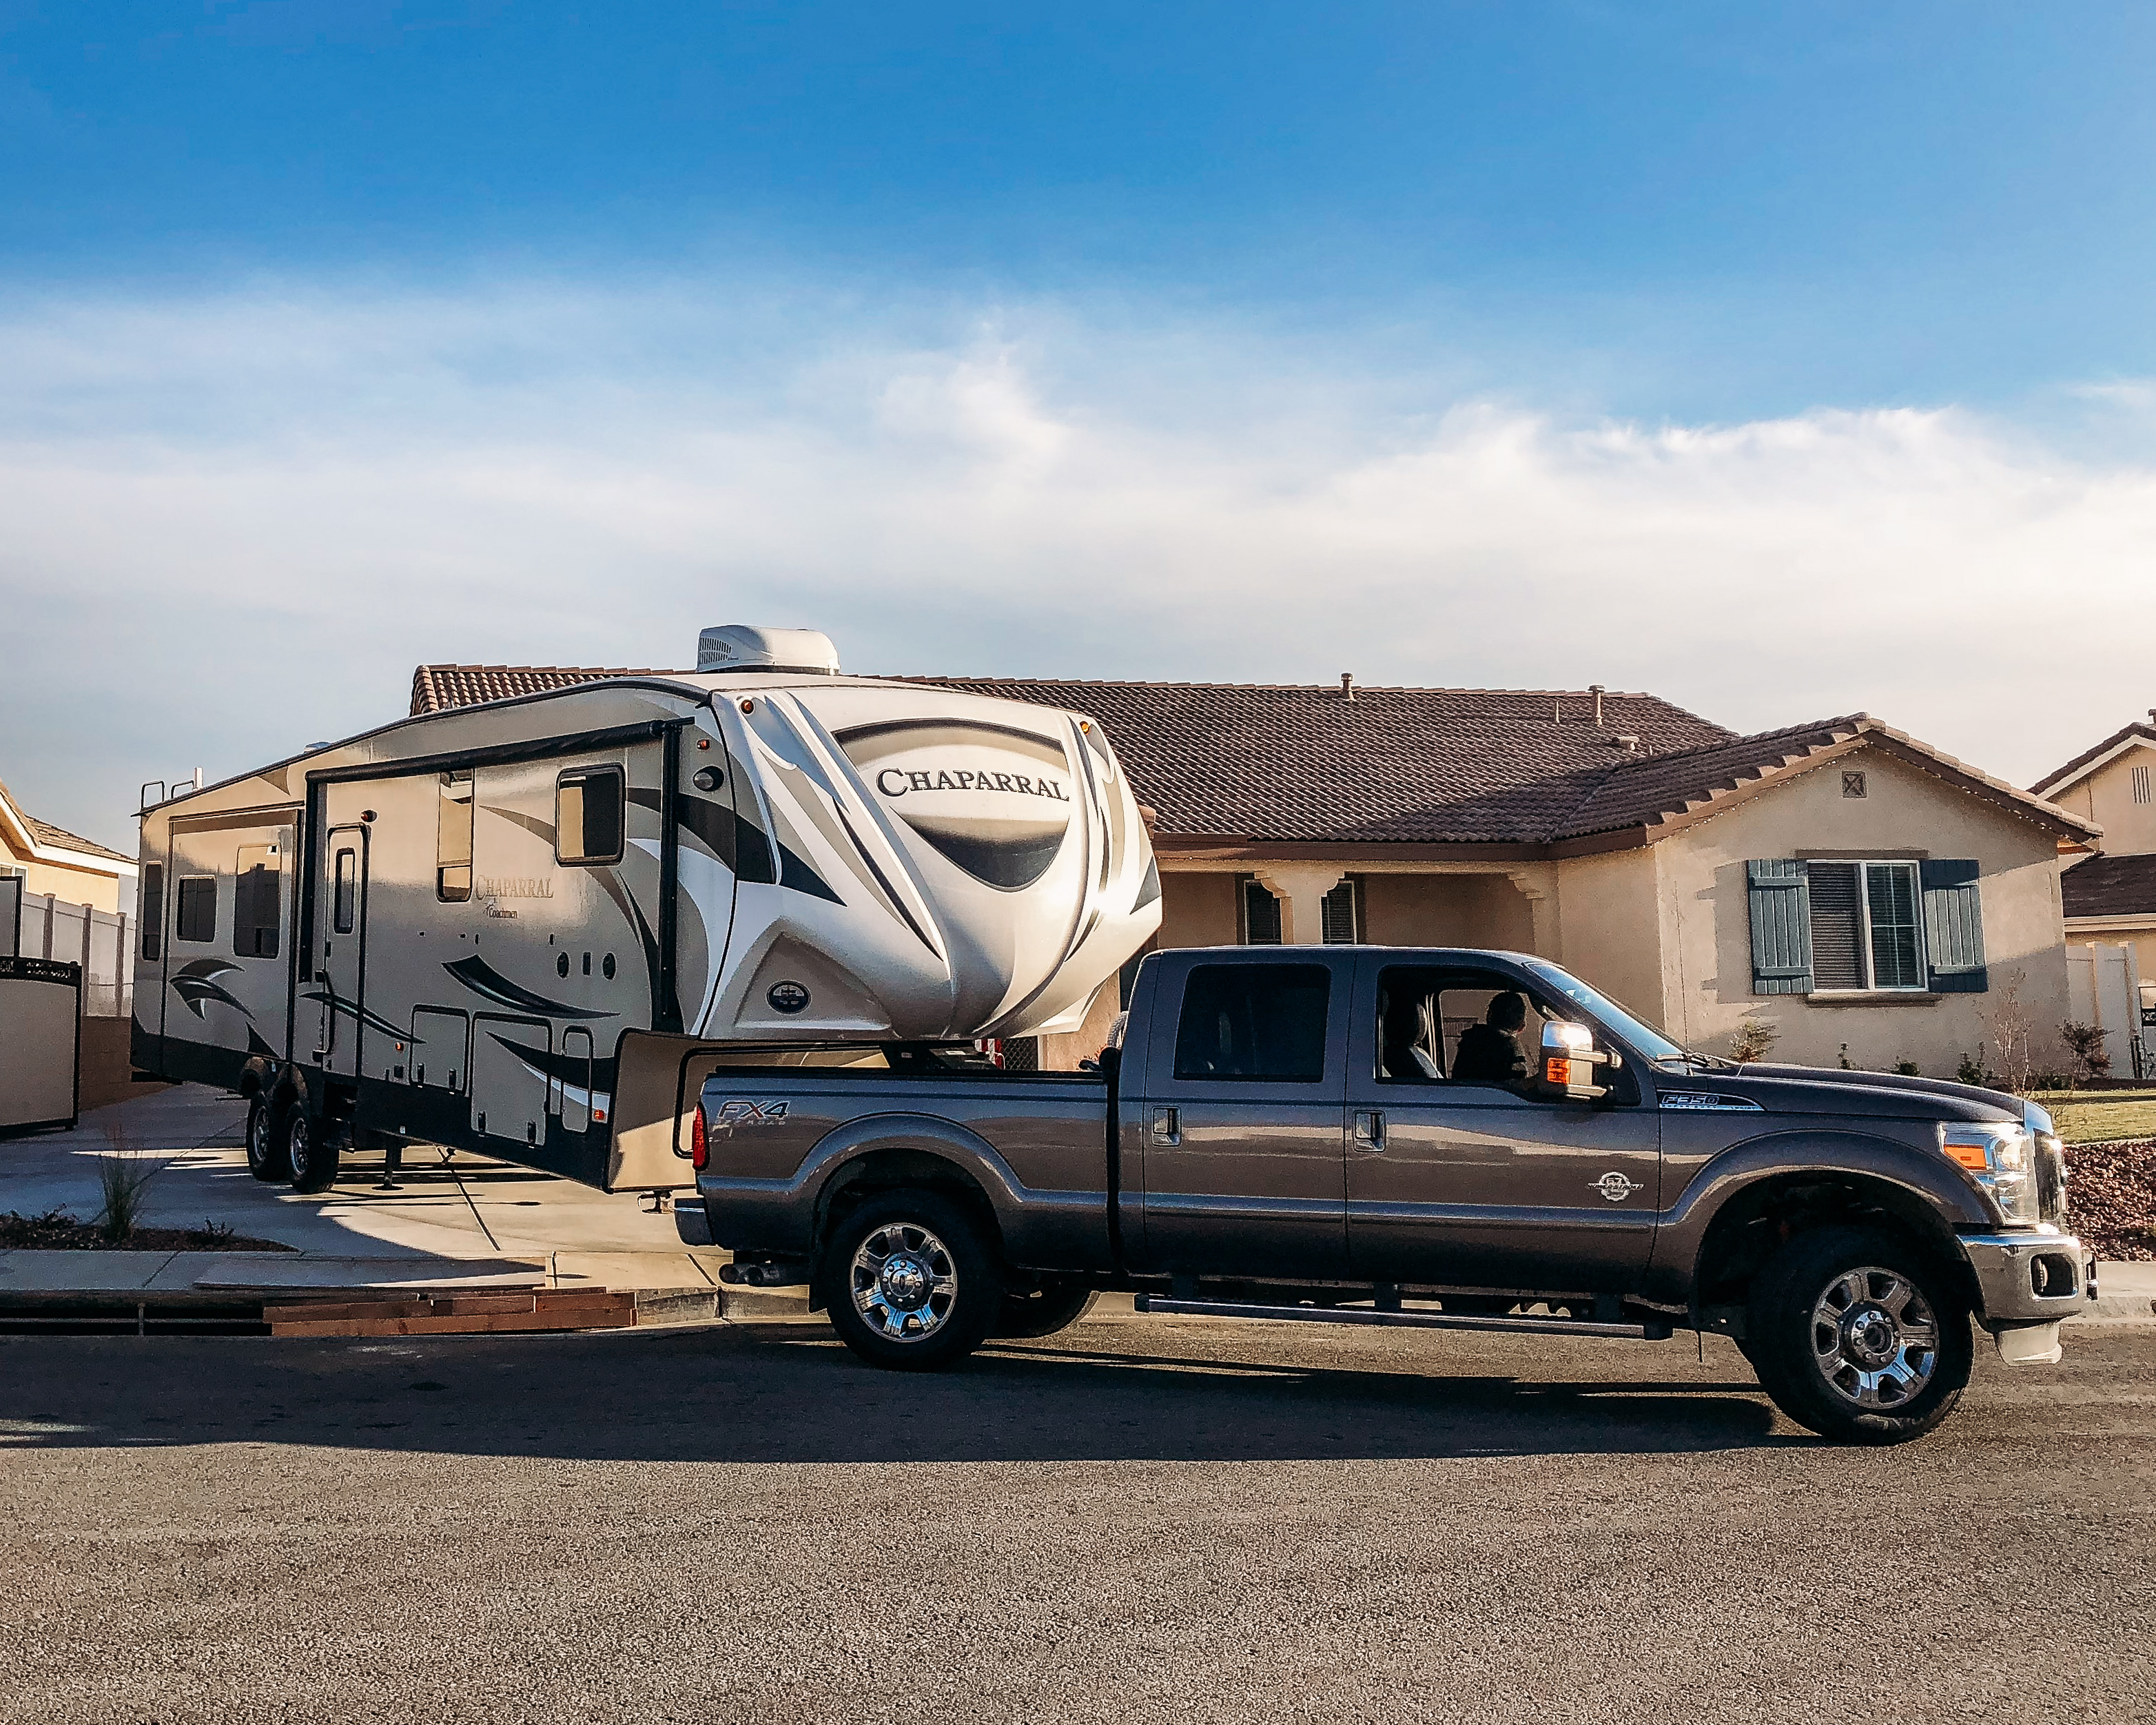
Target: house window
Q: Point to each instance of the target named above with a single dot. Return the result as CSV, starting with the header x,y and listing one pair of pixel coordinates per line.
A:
x,y
256,897
1343,914
453,839
197,919
1863,927
1260,916
587,823
2141,784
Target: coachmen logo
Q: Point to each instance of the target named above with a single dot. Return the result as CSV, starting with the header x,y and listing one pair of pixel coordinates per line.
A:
x,y
975,791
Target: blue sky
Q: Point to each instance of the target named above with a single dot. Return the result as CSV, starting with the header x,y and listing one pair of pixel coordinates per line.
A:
x,y
1022,317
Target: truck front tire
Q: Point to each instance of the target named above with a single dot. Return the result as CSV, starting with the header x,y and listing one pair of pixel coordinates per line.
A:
x,y
1859,1336
911,1283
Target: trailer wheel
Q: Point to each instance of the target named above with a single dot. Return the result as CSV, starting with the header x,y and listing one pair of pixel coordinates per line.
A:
x,y
911,1283
265,1148
1052,1306
310,1151
1859,1336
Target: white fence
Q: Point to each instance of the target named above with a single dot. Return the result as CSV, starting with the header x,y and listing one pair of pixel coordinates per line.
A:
x,y
39,925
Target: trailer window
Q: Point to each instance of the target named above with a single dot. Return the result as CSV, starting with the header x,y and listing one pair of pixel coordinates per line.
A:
x,y
197,920
453,839
153,909
344,907
256,895
587,825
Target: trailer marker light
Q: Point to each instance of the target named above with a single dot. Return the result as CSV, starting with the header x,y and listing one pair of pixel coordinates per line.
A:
x,y
703,742
749,707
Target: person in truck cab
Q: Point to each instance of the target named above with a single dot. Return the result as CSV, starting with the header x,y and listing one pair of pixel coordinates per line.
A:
x,y
1490,1052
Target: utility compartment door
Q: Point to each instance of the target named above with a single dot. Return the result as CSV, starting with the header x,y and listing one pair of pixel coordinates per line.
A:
x,y
439,1057
509,1058
572,1082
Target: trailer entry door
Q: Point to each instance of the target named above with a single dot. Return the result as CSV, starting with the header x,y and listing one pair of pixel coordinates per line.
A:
x,y
340,984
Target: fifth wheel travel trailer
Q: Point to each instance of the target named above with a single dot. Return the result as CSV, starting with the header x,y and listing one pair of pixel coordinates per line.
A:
x,y
528,928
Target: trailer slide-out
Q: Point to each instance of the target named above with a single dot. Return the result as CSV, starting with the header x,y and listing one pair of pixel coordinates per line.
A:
x,y
513,928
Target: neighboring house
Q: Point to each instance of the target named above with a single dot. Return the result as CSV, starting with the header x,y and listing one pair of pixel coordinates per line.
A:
x,y
2109,898
1852,886
47,859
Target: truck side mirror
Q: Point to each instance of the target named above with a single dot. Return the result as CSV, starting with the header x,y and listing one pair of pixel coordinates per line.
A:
x,y
1568,1063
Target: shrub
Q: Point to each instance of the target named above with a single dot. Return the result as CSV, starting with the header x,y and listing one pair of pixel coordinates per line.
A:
x,y
123,1180
1972,1070
2085,1043
1753,1040
1907,1068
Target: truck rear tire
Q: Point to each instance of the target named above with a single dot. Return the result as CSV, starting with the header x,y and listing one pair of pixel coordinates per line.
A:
x,y
310,1151
911,1283
265,1148
1052,1306
1859,1336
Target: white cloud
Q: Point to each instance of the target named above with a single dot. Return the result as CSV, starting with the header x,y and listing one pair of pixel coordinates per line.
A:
x,y
235,524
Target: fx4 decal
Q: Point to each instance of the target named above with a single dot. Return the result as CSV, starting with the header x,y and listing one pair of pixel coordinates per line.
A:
x,y
746,1113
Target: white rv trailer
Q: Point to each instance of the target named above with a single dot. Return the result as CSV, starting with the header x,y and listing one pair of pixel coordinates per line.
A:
x,y
515,928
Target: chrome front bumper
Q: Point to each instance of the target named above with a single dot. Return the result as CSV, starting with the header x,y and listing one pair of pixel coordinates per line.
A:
x,y
2029,1278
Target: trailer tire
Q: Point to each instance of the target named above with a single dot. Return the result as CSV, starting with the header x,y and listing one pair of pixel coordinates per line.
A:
x,y
1859,1335
310,1151
1052,1306
265,1147
911,1284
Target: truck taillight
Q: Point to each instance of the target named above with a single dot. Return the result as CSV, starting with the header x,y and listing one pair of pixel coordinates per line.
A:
x,y
699,1146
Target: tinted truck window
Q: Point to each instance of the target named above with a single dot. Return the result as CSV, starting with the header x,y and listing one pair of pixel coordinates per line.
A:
x,y
1263,1023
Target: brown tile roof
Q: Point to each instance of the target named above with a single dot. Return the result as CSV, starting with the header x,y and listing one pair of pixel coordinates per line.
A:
x,y
2053,780
1297,764
436,688
2110,887
43,831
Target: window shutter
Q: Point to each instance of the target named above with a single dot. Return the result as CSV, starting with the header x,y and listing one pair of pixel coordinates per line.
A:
x,y
1953,927
1781,926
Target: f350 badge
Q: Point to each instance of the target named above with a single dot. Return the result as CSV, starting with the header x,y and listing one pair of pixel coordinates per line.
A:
x,y
738,1112
1616,1187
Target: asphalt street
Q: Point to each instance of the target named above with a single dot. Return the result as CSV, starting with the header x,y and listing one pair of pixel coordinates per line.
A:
x,y
1139,1520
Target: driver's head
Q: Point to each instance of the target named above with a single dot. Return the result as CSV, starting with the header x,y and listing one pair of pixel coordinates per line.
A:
x,y
1507,1011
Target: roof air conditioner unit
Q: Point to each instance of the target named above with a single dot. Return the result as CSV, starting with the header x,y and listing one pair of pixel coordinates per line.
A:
x,y
743,647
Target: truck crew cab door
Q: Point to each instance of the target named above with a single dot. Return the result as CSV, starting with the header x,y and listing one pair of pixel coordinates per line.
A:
x,y
1242,1117
1458,1178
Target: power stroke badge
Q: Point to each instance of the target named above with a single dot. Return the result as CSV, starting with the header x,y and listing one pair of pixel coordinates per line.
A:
x,y
1616,1187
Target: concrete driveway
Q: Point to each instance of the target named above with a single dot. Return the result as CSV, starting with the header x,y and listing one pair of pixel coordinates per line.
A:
x,y
465,1209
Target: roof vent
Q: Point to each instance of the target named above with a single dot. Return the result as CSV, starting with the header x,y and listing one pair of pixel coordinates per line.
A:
x,y
1630,745
743,647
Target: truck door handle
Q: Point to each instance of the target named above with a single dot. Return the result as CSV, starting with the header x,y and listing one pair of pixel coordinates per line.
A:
x,y
1369,1129
1167,1127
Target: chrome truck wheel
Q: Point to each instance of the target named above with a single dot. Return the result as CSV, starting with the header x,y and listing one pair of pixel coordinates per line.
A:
x,y
910,1281
1859,1336
905,1282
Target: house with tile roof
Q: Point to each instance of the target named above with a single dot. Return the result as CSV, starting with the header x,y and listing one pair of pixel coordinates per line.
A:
x,y
2109,897
1858,890
48,859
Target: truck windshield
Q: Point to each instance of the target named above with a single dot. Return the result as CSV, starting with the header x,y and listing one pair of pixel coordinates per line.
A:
x,y
1647,1040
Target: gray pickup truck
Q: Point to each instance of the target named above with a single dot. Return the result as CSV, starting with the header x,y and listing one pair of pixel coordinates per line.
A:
x,y
1440,1139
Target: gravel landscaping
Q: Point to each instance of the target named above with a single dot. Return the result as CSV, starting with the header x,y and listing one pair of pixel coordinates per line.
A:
x,y
57,1230
2110,1197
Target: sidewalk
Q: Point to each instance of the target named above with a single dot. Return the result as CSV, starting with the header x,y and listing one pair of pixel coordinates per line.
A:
x,y
465,1222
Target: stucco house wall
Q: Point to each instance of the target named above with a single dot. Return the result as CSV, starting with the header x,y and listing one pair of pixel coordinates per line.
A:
x,y
2106,797
1907,814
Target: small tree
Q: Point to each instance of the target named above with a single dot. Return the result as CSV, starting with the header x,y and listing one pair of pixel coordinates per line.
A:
x,y
2085,1043
1754,1039
2013,1034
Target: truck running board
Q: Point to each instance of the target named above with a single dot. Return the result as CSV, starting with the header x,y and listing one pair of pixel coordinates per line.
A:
x,y
1399,1320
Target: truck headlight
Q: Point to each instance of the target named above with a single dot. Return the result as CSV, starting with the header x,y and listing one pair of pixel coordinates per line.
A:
x,y
1998,1159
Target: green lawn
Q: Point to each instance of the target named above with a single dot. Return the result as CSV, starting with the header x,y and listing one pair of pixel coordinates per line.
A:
x,y
2098,1117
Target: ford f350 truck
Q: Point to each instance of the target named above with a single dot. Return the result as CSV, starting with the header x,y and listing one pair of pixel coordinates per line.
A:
x,y
1437,1139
